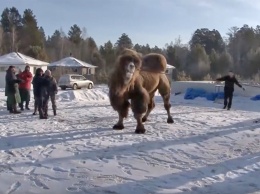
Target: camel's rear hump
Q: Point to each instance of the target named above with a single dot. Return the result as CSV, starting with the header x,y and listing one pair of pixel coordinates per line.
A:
x,y
154,62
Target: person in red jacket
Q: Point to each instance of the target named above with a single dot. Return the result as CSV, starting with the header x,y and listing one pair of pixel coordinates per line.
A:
x,y
25,87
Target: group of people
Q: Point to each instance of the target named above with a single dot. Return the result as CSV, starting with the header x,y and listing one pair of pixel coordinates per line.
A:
x,y
18,89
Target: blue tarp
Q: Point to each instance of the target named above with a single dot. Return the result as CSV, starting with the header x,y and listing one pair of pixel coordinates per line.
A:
x,y
192,93
220,95
255,98
211,96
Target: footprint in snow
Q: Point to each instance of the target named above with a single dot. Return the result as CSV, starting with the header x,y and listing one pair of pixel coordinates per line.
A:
x,y
14,187
73,189
30,171
38,183
58,169
71,172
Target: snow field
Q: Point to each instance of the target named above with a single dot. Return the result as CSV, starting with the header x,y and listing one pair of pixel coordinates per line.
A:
x,y
207,149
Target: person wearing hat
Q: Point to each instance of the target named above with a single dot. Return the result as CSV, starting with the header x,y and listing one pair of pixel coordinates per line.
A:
x,y
52,91
12,90
230,80
25,87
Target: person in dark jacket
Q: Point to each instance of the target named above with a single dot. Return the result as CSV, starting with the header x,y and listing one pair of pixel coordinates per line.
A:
x,y
230,81
35,97
40,91
52,90
12,90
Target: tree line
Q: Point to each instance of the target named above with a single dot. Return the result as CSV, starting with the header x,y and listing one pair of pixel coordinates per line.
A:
x,y
205,57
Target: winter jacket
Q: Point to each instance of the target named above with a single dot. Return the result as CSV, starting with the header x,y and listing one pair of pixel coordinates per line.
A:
x,y
53,87
11,82
229,82
40,86
26,76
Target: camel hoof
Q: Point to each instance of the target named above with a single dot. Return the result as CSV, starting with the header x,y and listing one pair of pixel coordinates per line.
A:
x,y
144,119
118,127
140,130
170,120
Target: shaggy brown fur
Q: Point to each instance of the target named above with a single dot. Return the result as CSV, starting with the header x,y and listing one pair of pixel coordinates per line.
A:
x,y
140,88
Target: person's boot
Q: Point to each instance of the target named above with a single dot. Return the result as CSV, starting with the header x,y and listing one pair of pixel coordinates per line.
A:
x,y
42,116
54,112
46,112
8,106
224,107
35,109
27,105
11,110
15,110
21,106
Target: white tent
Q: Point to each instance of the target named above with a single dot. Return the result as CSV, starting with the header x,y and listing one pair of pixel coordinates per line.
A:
x,y
19,61
70,62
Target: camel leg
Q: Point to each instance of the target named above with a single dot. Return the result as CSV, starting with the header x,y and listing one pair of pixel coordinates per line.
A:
x,y
120,123
139,105
140,127
165,92
151,106
122,113
167,106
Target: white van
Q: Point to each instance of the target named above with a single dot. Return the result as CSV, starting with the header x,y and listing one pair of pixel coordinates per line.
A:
x,y
74,81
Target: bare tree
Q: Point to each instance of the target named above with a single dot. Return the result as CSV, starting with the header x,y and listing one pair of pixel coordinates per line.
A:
x,y
63,36
84,33
12,33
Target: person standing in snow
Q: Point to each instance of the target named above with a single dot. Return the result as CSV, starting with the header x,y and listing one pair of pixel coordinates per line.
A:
x,y
40,91
52,90
35,97
25,87
230,80
12,90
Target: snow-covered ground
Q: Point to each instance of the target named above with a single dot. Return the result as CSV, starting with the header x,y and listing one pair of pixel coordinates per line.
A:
x,y
207,150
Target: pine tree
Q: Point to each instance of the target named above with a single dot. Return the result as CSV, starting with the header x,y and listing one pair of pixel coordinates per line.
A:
x,y
123,42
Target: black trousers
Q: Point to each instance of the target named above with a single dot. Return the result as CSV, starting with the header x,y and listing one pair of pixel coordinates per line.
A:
x,y
53,102
43,105
228,97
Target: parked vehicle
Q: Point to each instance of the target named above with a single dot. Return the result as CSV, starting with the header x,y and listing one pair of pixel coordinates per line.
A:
x,y
74,81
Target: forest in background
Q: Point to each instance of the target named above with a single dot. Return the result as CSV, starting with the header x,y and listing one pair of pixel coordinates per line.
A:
x,y
207,55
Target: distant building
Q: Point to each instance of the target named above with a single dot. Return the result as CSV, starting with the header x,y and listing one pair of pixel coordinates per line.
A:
x,y
169,72
71,65
18,60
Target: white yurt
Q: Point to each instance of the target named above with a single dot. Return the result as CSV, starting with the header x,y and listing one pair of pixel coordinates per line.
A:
x,y
19,61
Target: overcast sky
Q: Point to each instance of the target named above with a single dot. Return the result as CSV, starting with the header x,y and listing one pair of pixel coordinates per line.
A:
x,y
156,22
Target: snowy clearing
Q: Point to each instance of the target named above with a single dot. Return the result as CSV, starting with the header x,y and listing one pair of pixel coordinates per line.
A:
x,y
207,150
